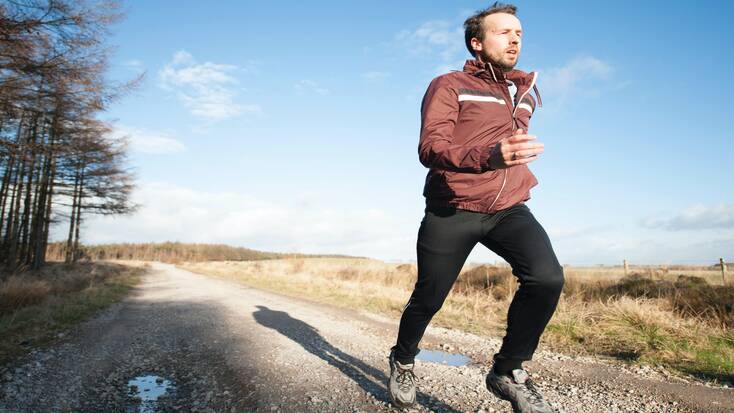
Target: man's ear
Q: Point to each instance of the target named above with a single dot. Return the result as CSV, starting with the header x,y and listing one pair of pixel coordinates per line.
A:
x,y
475,44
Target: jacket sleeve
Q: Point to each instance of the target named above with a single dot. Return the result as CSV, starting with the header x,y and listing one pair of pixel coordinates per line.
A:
x,y
437,148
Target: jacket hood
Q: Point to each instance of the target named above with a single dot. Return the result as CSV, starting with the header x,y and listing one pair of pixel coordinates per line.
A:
x,y
477,67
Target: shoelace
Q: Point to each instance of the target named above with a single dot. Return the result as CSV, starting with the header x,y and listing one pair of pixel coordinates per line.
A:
x,y
406,378
532,393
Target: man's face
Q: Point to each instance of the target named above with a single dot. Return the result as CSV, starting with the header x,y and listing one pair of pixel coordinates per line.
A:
x,y
502,40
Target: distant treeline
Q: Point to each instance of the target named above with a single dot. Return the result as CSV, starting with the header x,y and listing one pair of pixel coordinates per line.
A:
x,y
171,252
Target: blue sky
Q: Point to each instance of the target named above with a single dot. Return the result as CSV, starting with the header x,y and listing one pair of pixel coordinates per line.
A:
x,y
294,126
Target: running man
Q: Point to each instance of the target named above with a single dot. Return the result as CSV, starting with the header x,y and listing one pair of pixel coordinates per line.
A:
x,y
473,140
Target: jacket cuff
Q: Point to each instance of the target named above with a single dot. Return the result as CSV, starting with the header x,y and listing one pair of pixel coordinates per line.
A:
x,y
484,160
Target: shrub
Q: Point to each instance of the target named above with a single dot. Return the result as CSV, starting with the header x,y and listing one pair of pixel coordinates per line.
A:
x,y
21,291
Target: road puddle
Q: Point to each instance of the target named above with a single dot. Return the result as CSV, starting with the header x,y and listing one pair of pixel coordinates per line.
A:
x,y
144,392
435,356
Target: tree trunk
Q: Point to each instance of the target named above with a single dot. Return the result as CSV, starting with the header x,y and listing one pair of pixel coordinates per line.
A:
x,y
75,256
72,220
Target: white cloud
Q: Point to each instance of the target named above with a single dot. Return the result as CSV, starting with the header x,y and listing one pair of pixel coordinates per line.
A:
x,y
171,212
695,217
146,141
440,42
208,90
580,76
307,85
307,223
639,246
578,231
182,57
433,38
134,64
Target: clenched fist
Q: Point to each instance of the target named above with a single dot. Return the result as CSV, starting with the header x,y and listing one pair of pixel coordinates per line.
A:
x,y
515,150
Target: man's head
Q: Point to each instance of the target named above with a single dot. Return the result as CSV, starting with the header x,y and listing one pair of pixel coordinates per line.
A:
x,y
494,35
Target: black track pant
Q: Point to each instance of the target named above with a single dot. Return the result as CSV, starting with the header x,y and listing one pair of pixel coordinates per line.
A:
x,y
445,239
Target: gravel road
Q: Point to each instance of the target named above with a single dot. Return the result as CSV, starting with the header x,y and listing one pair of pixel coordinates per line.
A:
x,y
209,345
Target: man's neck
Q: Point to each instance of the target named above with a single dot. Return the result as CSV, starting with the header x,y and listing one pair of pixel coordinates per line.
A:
x,y
494,65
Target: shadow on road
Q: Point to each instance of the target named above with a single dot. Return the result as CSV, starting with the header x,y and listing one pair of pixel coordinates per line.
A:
x,y
367,377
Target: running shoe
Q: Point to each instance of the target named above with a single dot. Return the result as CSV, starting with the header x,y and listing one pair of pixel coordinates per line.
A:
x,y
402,382
519,389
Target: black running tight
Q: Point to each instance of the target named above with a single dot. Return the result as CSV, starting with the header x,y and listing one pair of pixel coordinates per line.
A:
x,y
445,239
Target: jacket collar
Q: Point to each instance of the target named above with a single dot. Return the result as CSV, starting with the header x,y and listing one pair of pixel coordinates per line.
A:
x,y
487,70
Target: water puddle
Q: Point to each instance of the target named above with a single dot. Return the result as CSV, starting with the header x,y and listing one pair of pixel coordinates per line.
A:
x,y
435,356
144,392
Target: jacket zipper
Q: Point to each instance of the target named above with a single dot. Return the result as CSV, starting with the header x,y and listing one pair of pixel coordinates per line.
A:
x,y
513,112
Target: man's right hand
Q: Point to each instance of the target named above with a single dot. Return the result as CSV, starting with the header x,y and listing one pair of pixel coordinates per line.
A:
x,y
520,146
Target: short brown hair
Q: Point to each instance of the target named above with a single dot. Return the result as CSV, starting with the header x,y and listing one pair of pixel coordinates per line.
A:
x,y
473,25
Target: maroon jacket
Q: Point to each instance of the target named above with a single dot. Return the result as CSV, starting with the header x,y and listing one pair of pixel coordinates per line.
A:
x,y
463,115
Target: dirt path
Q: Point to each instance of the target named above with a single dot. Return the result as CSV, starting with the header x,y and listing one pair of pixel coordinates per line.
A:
x,y
223,347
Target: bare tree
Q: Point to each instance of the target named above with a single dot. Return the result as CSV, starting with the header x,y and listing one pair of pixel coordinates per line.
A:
x,y
54,152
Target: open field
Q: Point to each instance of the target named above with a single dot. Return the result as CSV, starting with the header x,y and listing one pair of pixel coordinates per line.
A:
x,y
712,276
668,318
213,344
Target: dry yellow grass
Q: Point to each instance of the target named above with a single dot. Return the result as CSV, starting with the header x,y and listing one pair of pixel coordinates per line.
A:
x,y
594,315
34,306
653,272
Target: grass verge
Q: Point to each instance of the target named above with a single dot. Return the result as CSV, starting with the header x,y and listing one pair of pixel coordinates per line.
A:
x,y
36,306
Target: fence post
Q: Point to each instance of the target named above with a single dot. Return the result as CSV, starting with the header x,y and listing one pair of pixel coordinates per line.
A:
x,y
626,267
723,270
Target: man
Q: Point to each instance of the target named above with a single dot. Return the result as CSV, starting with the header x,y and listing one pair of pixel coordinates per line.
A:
x,y
473,141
